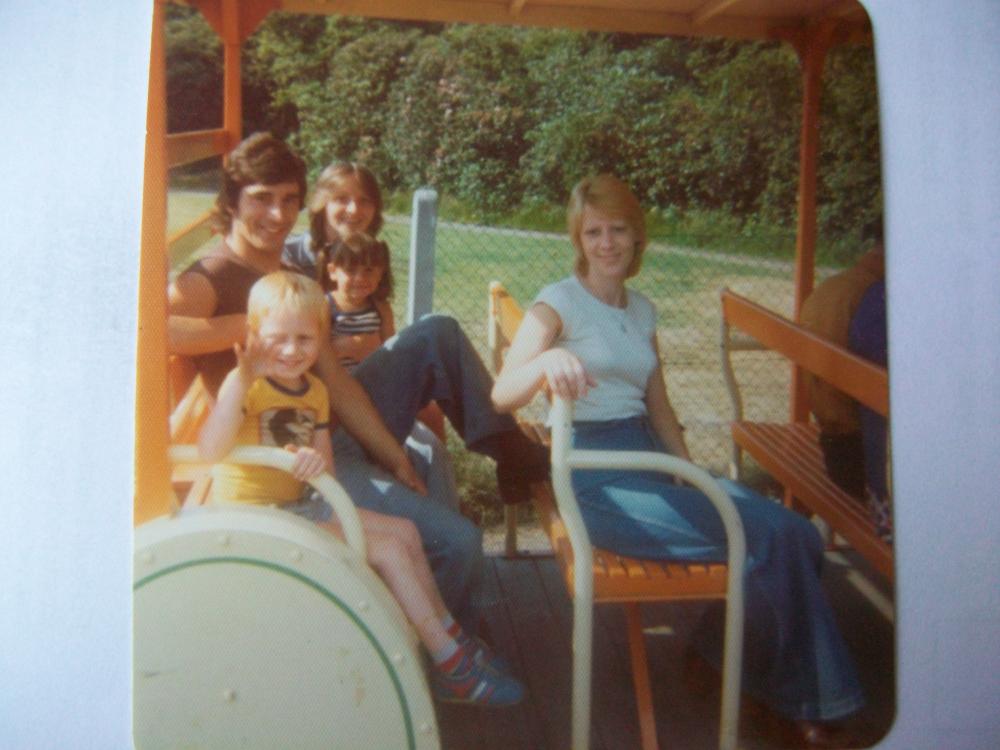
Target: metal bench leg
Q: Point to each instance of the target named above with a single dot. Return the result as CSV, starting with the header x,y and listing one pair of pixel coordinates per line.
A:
x,y
510,538
735,461
640,677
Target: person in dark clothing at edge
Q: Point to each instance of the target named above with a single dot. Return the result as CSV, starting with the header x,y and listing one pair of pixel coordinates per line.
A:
x,y
828,311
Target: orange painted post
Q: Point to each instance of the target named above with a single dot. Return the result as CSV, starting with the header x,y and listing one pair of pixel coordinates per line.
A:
x,y
153,494
232,102
812,56
640,677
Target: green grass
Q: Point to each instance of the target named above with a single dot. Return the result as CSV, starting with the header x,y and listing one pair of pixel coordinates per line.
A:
x,y
184,206
708,230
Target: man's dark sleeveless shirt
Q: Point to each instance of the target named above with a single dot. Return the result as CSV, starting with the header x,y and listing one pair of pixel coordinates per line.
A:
x,y
231,279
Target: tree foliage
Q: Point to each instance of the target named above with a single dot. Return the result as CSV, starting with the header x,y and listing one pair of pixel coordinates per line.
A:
x,y
504,117
459,116
194,72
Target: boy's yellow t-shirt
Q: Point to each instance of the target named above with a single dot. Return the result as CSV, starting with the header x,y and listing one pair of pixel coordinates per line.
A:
x,y
272,415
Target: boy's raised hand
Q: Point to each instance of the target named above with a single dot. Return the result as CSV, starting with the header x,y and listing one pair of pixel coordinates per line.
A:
x,y
309,462
254,359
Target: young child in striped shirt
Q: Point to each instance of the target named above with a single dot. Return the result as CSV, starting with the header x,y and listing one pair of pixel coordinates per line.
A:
x,y
359,287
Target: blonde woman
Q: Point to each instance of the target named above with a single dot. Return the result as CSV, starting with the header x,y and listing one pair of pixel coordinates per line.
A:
x,y
592,339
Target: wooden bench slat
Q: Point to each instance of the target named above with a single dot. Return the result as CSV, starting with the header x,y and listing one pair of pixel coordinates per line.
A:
x,y
805,477
655,571
806,468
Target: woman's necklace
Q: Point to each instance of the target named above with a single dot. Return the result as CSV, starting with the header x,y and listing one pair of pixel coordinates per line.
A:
x,y
612,297
617,299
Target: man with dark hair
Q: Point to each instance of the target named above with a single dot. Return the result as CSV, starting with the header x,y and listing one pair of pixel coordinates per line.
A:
x,y
262,191
260,158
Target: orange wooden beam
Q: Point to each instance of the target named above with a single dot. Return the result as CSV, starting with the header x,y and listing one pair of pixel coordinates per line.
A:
x,y
232,77
812,51
153,494
195,145
711,9
248,13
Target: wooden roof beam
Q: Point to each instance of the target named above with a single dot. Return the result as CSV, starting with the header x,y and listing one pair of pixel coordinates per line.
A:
x,y
844,9
249,15
850,13
585,18
853,24
710,10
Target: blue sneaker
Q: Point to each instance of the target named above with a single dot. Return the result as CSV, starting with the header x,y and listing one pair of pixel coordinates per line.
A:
x,y
483,654
473,682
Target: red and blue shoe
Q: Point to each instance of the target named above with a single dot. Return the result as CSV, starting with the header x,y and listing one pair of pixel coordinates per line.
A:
x,y
472,681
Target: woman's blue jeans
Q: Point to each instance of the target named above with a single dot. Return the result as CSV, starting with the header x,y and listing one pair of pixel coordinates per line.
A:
x,y
795,659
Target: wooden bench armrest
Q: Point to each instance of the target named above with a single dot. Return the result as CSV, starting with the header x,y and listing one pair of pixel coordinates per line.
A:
x,y
189,400
505,316
857,377
730,342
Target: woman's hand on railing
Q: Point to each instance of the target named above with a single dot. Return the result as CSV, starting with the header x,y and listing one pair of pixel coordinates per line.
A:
x,y
564,374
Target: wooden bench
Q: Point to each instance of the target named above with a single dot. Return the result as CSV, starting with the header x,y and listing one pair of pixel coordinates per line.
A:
x,y
614,578
790,452
190,404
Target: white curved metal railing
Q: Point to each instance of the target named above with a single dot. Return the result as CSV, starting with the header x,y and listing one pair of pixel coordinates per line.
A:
x,y
564,459
347,514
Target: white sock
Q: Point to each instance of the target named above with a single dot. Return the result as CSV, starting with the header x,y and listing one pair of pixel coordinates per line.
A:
x,y
449,624
445,653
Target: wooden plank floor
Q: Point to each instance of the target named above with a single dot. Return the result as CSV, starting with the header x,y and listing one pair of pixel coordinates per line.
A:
x,y
529,616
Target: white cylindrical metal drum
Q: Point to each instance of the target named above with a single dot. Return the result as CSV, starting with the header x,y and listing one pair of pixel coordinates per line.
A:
x,y
253,628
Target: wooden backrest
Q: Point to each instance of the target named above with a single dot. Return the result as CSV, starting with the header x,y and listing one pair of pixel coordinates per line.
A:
x,y
505,318
181,373
864,381
189,401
